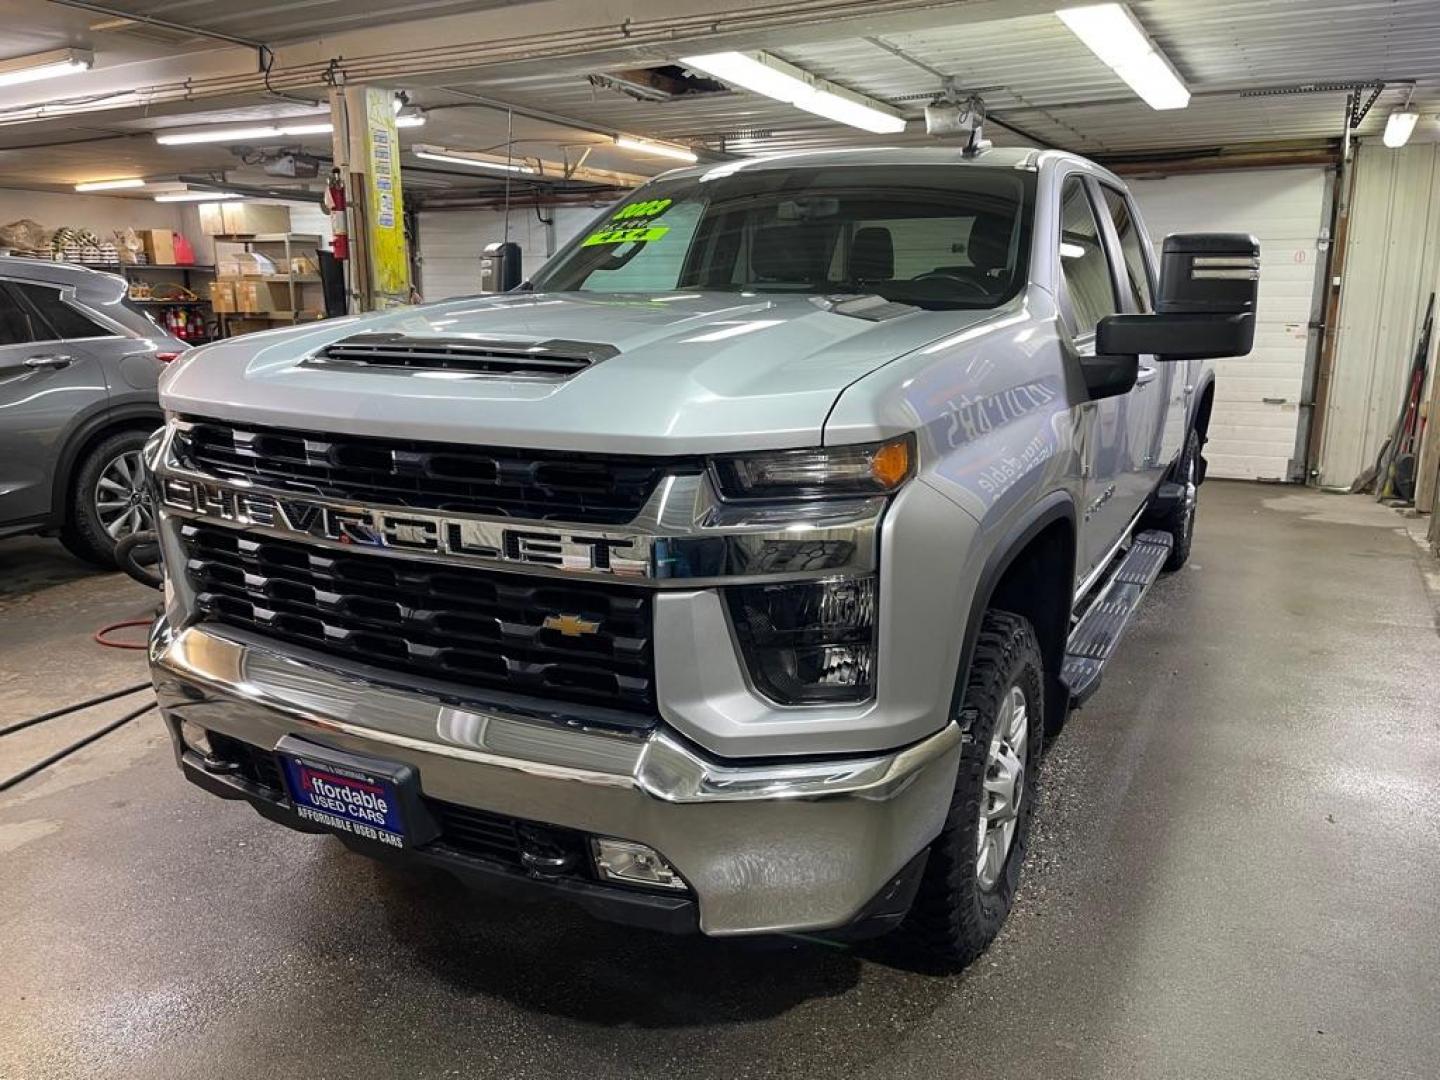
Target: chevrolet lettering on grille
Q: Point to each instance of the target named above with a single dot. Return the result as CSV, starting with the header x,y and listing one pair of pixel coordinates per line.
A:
x,y
410,531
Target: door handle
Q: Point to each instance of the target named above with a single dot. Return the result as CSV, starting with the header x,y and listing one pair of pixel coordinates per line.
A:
x,y
1144,375
49,360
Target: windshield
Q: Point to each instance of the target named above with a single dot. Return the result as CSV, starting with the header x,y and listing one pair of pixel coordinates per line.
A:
x,y
935,236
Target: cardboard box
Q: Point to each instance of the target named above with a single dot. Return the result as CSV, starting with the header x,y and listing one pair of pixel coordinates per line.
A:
x,y
247,219
249,326
212,221
264,296
159,246
243,219
222,296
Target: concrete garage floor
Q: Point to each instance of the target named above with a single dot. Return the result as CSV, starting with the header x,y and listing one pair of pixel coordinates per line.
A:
x,y
1235,874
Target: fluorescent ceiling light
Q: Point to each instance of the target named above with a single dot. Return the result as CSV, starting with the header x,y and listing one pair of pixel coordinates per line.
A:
x,y
659,149
1398,127
110,185
46,65
764,74
456,157
281,130
197,196
1113,34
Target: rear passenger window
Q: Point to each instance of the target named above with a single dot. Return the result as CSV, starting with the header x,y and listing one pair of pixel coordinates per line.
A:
x,y
55,319
1137,277
1083,264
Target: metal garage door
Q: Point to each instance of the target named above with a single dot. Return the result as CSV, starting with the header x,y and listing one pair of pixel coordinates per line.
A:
x,y
1252,432
451,242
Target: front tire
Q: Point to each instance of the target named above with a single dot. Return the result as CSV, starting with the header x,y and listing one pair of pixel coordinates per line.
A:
x,y
108,500
974,865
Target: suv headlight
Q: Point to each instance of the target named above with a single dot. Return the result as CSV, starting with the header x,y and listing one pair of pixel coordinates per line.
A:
x,y
809,643
864,469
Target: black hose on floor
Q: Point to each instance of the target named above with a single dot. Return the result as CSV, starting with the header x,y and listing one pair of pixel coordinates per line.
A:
x,y
139,556
78,744
67,709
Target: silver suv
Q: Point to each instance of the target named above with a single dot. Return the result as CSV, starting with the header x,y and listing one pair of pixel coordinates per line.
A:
x,y
78,370
728,576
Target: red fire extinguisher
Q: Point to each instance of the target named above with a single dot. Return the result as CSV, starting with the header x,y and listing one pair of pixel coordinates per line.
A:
x,y
335,204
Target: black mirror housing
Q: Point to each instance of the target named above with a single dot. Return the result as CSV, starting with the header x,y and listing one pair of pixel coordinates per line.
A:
x,y
1176,337
1108,375
1209,283
1208,274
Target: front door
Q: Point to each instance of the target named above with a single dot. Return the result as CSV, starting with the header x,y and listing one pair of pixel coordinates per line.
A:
x,y
1160,390
1106,426
44,384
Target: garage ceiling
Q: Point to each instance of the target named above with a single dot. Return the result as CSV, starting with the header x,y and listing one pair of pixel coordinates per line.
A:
x,y
1263,74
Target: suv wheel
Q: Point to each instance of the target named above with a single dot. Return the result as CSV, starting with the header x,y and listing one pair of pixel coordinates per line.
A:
x,y
108,500
974,865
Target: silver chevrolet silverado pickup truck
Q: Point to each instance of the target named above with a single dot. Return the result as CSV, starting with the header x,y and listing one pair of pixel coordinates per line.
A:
x,y
728,575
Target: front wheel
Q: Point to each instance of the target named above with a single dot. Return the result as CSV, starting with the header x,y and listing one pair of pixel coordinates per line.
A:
x,y
108,500
974,865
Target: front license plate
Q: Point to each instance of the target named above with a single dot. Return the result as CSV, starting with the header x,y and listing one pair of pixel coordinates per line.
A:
x,y
346,798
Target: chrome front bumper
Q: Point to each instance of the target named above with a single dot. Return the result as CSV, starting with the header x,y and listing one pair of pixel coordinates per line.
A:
x,y
799,845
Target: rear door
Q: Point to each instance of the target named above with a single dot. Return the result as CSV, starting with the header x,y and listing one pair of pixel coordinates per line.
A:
x,y
45,383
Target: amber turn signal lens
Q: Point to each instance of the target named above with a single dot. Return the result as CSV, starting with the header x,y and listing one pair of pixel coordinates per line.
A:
x,y
890,464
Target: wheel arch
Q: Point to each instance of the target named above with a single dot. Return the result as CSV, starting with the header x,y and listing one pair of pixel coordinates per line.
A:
x,y
1204,407
1031,572
87,435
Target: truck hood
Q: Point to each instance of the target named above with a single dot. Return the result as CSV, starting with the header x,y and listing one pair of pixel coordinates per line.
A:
x,y
691,373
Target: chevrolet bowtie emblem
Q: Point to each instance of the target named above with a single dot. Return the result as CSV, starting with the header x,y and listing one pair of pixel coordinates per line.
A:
x,y
570,625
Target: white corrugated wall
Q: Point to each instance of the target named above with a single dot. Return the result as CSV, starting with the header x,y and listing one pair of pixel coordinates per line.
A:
x,y
1392,262
451,242
1257,397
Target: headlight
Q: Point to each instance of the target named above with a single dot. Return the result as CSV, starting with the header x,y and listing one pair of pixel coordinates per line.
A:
x,y
810,643
865,469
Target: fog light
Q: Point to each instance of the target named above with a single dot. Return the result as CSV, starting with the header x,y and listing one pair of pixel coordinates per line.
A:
x,y
634,864
810,643
196,738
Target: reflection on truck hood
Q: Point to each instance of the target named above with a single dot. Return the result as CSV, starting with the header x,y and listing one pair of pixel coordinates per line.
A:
x,y
693,373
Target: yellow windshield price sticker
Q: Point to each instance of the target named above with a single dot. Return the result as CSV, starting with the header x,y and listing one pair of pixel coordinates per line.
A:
x,y
648,209
635,235
636,228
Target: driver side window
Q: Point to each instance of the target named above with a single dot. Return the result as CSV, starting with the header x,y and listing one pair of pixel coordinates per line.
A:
x,y
1084,267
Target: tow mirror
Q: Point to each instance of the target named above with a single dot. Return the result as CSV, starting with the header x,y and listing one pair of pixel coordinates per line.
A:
x,y
1206,307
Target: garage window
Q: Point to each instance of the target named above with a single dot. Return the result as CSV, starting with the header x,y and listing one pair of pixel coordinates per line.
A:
x,y
1083,264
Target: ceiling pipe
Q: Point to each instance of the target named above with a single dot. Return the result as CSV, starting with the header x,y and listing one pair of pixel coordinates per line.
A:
x,y
163,24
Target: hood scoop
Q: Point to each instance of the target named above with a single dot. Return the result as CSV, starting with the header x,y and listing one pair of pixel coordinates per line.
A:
x,y
462,356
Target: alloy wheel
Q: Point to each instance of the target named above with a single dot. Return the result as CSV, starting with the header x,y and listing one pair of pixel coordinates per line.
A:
x,y
1004,787
1192,496
121,501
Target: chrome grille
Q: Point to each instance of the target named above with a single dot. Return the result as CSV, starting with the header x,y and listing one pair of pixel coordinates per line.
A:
x,y
540,485
478,628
